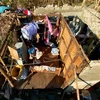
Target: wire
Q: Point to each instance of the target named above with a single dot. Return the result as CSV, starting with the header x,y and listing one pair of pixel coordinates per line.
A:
x,y
38,63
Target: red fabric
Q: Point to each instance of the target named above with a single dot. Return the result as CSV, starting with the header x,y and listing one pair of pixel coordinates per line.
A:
x,y
27,12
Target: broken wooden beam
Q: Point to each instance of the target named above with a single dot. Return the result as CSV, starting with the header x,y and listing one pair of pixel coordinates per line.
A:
x,y
7,77
76,81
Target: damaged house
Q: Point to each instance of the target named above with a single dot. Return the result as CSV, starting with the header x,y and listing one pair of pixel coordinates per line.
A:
x,y
47,51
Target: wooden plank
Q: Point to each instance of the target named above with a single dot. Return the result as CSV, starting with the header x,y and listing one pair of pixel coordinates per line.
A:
x,y
78,61
64,71
4,73
73,49
4,47
74,54
13,53
1,60
62,22
76,81
67,61
67,78
66,36
70,73
62,51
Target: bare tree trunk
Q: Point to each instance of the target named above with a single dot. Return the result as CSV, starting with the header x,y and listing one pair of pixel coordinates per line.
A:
x,y
96,1
83,3
4,73
4,65
97,5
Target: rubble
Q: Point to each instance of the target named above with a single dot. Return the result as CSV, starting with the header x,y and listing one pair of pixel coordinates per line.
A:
x,y
51,66
6,22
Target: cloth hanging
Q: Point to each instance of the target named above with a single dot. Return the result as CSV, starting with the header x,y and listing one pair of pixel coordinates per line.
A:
x,y
55,32
30,30
47,37
49,24
47,33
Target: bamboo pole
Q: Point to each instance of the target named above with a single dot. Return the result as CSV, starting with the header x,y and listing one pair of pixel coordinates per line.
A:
x,y
1,60
83,3
9,79
97,5
76,81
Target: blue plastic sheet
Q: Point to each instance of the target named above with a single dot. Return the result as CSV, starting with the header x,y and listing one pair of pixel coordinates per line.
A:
x,y
3,8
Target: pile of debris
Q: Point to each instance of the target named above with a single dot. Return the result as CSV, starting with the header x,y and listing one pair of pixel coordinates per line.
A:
x,y
45,47
6,22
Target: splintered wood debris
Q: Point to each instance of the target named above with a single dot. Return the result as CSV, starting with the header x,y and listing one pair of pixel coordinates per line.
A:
x,y
6,21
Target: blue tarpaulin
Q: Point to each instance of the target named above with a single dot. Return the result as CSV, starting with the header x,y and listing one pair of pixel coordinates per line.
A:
x,y
3,8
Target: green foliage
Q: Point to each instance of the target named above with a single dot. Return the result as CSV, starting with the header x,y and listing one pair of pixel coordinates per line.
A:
x,y
32,3
38,3
7,2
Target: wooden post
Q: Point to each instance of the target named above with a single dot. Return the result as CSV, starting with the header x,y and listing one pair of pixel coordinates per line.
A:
x,y
83,3
78,96
9,79
4,65
97,5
